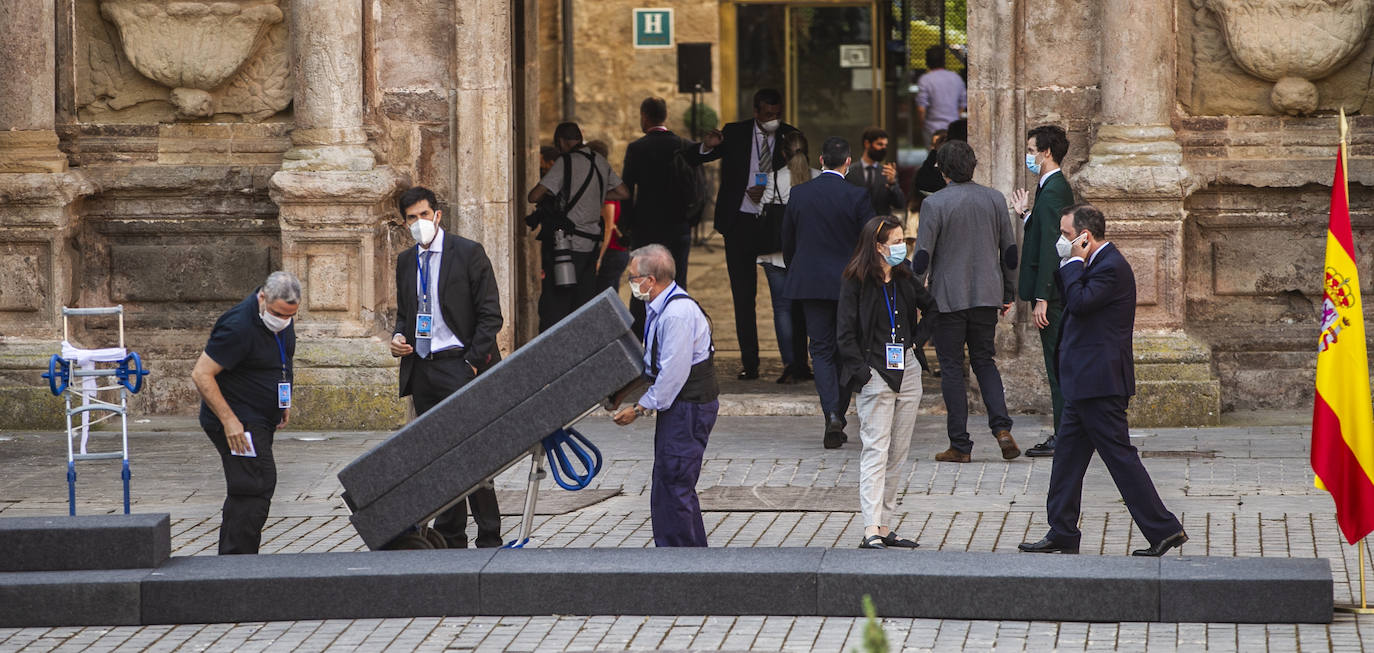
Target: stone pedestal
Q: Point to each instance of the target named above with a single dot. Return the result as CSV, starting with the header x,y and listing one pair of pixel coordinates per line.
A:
x,y
334,237
36,268
1135,175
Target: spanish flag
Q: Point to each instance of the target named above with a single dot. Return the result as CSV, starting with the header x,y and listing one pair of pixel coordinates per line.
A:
x,y
1342,420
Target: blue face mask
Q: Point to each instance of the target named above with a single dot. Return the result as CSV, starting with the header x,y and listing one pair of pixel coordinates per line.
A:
x,y
1031,165
896,254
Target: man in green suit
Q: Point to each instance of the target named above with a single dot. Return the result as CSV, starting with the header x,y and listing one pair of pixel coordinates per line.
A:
x,y
1046,146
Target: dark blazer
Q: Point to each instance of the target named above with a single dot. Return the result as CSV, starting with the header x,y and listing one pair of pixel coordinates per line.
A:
x,y
468,300
1039,258
863,316
654,213
1095,353
820,228
885,197
734,153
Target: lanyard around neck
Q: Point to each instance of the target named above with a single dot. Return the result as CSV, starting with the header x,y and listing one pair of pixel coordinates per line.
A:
x,y
281,349
891,314
422,263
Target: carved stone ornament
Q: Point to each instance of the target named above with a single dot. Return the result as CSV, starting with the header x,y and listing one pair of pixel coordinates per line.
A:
x,y
214,56
1293,42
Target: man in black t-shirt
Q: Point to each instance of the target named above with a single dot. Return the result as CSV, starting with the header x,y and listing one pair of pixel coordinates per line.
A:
x,y
245,381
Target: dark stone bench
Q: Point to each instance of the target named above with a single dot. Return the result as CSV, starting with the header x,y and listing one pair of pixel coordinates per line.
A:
x,y
720,581
64,543
477,432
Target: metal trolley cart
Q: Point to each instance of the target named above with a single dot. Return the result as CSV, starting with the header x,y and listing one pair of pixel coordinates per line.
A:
x,y
74,363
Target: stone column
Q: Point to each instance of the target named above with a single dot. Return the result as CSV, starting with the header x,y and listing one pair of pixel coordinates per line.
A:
x,y
327,57
27,89
37,215
334,203
484,142
1135,174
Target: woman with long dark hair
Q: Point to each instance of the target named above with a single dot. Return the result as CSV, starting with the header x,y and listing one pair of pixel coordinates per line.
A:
x,y
879,302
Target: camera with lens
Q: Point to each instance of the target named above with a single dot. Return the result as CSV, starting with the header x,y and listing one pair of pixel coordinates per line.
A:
x,y
564,272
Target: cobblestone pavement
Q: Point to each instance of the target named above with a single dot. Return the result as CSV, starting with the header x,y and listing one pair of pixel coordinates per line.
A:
x,y
1243,489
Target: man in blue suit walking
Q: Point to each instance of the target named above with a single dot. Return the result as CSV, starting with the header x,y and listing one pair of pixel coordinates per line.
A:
x,y
820,229
1097,377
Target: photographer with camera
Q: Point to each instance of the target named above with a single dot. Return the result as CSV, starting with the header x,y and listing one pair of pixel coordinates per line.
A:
x,y
568,215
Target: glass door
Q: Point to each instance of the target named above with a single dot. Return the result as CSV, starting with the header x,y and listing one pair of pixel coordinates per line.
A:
x,y
822,56
834,71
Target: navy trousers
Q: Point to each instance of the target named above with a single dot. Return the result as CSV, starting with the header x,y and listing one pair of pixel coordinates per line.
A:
x,y
680,436
820,328
1099,424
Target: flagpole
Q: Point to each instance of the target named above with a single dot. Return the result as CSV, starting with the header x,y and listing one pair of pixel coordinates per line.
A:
x,y
1363,607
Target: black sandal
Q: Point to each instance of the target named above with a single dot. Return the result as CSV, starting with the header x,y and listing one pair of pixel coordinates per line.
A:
x,y
872,542
892,541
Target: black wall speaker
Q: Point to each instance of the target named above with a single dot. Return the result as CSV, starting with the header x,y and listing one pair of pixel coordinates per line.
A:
x,y
693,67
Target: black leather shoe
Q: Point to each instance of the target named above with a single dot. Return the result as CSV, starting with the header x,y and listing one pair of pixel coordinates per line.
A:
x,y
1042,450
895,541
748,375
834,431
1175,540
1046,545
804,375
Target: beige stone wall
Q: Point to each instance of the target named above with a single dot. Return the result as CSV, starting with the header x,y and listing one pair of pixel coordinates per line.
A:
x,y
613,77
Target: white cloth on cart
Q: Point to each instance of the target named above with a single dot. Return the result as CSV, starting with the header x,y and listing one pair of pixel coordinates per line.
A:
x,y
86,360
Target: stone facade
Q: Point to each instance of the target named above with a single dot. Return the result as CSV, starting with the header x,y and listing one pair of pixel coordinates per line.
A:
x,y
135,170
197,145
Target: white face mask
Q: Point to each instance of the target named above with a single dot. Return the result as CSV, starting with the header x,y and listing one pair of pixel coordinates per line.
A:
x,y
770,126
641,295
1065,246
423,231
273,323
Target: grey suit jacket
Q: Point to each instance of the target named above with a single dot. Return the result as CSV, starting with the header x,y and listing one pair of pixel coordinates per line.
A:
x,y
966,247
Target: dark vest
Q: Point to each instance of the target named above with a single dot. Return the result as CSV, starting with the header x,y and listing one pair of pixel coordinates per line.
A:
x,y
701,386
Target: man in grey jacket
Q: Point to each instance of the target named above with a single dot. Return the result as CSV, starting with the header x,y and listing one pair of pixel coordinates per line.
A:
x,y
965,244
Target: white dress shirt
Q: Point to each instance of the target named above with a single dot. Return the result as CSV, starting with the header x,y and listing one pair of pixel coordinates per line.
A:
x,y
442,336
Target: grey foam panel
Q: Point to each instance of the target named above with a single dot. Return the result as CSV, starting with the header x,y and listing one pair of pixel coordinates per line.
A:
x,y
217,589
687,581
498,390
70,598
62,543
505,440
958,585
1245,590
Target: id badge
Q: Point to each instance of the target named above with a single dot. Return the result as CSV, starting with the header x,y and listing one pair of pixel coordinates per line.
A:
x,y
284,394
760,179
424,326
896,356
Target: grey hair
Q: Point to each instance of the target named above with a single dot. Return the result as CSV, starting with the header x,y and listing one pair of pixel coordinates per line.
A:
x,y
655,260
282,285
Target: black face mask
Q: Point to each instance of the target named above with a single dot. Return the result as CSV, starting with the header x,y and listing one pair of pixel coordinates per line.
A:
x,y
877,155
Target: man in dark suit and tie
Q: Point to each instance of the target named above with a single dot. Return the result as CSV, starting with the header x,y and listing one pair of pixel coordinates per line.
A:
x,y
448,313
877,177
1046,146
656,213
1097,374
820,230
750,150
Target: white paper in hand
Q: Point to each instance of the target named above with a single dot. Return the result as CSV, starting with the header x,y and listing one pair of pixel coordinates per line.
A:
x,y
251,452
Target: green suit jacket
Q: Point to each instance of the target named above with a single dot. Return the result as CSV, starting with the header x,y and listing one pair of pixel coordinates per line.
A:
x,y
1039,258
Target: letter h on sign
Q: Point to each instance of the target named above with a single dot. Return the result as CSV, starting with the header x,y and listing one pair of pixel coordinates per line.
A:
x,y
653,28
